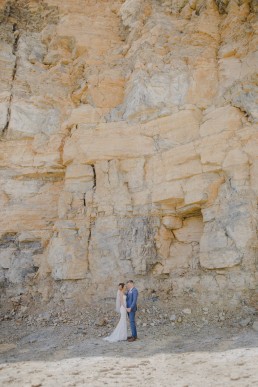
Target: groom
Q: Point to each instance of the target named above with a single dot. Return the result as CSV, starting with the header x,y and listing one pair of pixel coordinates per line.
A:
x,y
131,307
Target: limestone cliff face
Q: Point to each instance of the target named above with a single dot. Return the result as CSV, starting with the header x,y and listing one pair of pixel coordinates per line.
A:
x,y
129,147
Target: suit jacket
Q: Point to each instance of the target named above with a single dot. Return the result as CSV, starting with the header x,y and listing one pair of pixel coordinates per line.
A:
x,y
131,299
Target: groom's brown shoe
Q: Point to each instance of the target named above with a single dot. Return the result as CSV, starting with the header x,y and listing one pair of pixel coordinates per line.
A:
x,y
129,337
132,339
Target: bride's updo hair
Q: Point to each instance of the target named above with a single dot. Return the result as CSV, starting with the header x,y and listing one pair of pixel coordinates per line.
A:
x,y
122,285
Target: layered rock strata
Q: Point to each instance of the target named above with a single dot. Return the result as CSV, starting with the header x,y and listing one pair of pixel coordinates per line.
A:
x,y
129,148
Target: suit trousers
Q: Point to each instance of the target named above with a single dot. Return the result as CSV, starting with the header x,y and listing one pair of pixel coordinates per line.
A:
x,y
131,316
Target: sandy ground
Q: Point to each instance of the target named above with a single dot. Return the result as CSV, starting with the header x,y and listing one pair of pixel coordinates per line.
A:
x,y
55,356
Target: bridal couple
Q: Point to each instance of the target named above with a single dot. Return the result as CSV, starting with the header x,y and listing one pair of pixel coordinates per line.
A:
x,y
126,303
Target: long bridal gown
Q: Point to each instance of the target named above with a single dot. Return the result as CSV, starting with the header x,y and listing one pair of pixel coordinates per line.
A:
x,y
120,332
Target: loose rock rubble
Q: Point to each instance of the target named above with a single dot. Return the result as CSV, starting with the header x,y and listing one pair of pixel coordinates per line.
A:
x,y
152,314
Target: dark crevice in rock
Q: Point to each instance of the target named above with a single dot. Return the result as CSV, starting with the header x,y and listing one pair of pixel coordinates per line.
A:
x,y
91,220
89,237
8,239
92,223
94,176
28,17
14,51
222,6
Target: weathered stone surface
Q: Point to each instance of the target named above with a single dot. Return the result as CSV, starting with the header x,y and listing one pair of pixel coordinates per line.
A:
x,y
27,120
221,120
68,253
219,259
172,222
128,147
191,230
255,326
86,145
180,256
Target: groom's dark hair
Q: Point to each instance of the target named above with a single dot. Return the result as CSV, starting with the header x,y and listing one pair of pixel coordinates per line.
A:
x,y
130,282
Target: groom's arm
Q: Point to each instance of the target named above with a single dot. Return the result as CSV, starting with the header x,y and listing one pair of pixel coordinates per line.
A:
x,y
135,296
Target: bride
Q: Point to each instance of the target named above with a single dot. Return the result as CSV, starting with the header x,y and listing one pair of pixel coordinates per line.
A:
x,y
120,332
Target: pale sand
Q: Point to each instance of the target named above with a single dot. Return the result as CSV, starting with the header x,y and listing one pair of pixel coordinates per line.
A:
x,y
54,357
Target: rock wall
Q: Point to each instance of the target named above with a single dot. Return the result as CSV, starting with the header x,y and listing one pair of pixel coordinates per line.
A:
x,y
129,148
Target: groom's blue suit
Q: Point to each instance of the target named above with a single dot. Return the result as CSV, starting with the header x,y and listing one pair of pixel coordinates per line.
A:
x,y
131,302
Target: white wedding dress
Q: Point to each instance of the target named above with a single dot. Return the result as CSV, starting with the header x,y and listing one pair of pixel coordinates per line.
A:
x,y
120,332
